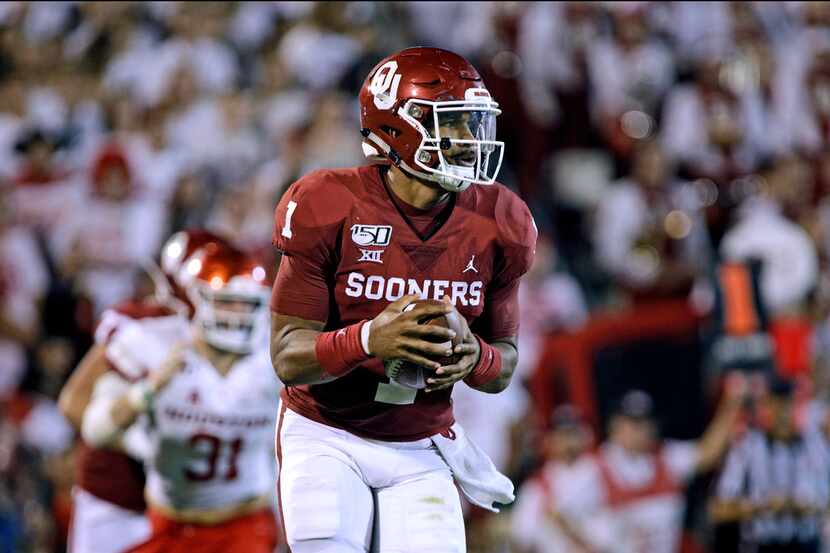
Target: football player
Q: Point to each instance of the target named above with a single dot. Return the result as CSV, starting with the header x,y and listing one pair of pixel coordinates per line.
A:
x,y
108,501
367,461
203,393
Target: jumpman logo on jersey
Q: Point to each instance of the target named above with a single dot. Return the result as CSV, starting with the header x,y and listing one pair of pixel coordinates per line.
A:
x,y
470,266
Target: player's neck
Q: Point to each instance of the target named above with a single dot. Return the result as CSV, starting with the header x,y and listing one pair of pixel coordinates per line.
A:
x,y
413,191
221,360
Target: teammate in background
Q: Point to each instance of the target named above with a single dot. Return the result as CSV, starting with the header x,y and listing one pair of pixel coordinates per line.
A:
x,y
367,462
203,392
558,510
643,478
108,502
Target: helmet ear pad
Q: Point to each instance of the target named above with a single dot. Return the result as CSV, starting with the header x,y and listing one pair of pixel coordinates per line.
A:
x,y
402,138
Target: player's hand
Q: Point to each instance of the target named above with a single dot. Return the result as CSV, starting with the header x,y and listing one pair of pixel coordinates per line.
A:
x,y
173,363
397,335
469,350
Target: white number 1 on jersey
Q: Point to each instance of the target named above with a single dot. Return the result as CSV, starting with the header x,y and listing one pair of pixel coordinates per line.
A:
x,y
289,211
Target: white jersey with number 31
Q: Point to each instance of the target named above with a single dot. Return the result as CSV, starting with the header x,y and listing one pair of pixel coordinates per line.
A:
x,y
213,435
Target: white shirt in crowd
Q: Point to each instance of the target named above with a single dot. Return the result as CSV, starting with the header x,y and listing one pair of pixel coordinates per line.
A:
x,y
624,215
624,80
23,283
790,264
114,239
653,522
572,491
555,303
649,521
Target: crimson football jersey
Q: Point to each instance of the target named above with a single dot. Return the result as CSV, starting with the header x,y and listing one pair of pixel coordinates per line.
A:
x,y
108,474
350,250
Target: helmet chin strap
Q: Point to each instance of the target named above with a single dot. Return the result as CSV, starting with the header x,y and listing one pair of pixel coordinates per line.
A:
x,y
453,184
448,183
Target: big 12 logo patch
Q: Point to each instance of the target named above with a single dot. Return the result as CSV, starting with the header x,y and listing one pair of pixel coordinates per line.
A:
x,y
371,235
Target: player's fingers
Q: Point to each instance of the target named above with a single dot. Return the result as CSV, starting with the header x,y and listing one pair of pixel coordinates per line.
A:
x,y
427,348
428,310
417,359
434,384
449,370
428,331
401,303
466,348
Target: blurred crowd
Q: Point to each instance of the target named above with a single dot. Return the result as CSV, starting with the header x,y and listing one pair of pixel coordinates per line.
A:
x,y
654,142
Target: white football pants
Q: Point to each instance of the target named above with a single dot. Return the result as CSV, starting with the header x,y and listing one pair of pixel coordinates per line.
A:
x,y
341,493
98,526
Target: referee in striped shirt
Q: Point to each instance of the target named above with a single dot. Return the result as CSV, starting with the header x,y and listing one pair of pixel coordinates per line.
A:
x,y
771,485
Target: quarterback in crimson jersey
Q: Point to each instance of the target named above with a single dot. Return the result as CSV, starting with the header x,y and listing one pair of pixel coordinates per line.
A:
x,y
367,462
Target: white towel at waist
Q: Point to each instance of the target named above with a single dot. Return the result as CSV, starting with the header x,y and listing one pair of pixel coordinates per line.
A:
x,y
473,470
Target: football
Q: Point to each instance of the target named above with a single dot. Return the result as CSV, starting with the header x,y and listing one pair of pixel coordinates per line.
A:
x,y
410,375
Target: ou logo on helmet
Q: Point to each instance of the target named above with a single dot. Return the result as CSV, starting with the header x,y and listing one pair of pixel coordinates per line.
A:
x,y
384,85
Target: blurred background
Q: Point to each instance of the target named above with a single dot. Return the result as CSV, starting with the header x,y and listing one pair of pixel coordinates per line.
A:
x,y
676,156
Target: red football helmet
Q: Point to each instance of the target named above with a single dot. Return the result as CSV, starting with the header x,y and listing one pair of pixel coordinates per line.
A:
x,y
230,293
428,112
175,252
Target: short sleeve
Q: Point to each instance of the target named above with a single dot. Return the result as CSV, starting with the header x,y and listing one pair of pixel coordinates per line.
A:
x,y
138,348
301,289
309,218
517,239
500,318
124,313
681,458
308,224
516,248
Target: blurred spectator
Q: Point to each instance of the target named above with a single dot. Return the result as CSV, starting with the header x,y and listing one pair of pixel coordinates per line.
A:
x,y
319,51
643,478
808,116
550,300
630,75
649,233
23,285
553,46
104,244
560,508
763,231
44,192
774,482
712,130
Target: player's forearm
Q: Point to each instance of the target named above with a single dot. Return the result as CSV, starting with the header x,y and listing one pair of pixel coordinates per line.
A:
x,y
77,392
295,359
293,350
509,359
